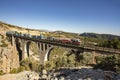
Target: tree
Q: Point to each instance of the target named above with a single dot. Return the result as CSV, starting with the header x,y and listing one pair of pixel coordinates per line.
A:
x,y
114,43
108,63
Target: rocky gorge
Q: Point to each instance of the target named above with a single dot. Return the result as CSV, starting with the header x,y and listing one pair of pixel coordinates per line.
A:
x,y
64,74
71,70
9,58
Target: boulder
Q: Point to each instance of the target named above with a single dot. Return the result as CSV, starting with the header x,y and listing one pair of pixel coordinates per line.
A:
x,y
44,72
44,76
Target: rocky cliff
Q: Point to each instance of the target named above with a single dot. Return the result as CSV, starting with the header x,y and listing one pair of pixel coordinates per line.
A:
x,y
9,58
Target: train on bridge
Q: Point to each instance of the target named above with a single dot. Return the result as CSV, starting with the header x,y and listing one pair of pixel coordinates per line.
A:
x,y
72,41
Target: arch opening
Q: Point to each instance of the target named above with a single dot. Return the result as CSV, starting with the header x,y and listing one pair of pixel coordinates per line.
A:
x,y
17,42
28,48
47,55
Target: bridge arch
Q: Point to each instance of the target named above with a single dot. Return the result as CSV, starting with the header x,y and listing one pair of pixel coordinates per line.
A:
x,y
47,55
23,48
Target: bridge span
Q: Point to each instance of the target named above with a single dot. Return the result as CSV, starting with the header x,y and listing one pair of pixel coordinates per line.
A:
x,y
45,47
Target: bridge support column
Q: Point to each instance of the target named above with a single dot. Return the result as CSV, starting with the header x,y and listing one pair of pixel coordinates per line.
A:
x,y
43,50
24,49
13,41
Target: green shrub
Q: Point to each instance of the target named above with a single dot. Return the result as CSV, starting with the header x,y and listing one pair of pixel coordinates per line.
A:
x,y
1,72
25,62
2,36
40,68
14,70
30,64
34,66
27,68
111,62
17,70
117,69
4,45
20,69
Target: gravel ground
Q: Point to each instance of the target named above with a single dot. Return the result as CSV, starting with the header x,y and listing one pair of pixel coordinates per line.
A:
x,y
19,76
64,74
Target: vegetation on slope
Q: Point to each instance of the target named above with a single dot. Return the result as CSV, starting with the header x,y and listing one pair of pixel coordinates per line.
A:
x,y
114,43
3,41
100,36
61,57
111,63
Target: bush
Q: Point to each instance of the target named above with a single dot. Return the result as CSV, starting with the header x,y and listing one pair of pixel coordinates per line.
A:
x,y
14,70
27,68
117,69
4,45
17,70
48,65
40,68
108,63
1,72
20,69
30,65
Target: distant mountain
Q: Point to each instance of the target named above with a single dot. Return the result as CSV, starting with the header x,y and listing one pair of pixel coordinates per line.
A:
x,y
100,36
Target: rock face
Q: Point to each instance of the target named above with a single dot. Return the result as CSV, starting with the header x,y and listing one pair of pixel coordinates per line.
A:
x,y
83,74
64,74
9,59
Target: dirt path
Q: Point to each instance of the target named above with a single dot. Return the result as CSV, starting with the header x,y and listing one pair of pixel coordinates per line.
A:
x,y
18,76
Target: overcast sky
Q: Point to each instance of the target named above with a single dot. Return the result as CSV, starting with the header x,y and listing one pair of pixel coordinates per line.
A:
x,y
99,16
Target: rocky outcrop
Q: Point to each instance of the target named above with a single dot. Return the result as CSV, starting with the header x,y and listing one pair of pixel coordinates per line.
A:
x,y
83,74
9,59
64,74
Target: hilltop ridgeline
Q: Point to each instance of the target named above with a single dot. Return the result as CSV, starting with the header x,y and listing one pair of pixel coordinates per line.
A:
x,y
100,36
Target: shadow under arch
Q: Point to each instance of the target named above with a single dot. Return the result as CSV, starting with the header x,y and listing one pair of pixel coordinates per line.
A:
x,y
17,42
47,55
28,48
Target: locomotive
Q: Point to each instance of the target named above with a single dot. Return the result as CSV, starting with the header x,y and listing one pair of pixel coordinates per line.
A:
x,y
70,41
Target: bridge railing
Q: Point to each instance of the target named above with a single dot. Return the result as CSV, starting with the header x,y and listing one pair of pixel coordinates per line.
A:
x,y
101,48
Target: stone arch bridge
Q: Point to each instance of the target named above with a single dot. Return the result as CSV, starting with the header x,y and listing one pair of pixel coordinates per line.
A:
x,y
45,47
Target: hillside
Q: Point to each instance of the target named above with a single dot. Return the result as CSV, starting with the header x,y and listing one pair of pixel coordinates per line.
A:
x,y
8,27
9,57
100,36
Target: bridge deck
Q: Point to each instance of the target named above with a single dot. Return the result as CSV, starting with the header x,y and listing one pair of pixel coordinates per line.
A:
x,y
57,43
